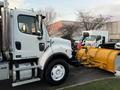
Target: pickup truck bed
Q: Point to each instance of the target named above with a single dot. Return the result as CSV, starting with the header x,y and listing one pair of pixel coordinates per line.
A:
x,y
109,45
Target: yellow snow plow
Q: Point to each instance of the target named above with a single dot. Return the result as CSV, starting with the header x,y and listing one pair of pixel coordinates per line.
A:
x,y
106,59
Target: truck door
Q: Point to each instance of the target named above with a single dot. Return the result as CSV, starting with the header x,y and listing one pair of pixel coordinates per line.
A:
x,y
27,40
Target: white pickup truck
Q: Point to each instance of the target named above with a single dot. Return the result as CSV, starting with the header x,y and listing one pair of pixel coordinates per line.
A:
x,y
27,53
95,37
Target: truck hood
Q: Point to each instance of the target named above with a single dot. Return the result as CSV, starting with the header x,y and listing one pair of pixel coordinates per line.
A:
x,y
61,41
63,46
90,43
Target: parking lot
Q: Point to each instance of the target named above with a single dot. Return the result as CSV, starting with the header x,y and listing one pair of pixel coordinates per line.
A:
x,y
77,75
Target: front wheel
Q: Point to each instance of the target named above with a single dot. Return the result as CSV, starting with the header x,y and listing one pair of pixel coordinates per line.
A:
x,y
57,72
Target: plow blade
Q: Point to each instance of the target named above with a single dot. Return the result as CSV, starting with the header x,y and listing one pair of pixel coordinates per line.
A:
x,y
105,59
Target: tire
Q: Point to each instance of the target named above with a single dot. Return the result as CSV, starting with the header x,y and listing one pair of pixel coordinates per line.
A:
x,y
57,72
99,46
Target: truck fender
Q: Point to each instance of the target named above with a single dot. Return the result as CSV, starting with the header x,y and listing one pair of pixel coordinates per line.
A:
x,y
49,54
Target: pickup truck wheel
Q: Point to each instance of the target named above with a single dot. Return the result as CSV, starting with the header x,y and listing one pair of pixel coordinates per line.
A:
x,y
57,72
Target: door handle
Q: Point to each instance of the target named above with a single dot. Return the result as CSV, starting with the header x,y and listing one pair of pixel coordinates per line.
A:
x,y
41,46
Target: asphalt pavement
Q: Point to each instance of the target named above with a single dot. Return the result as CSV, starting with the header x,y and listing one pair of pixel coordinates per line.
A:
x,y
77,75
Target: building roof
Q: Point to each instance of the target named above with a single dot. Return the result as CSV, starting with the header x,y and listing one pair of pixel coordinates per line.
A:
x,y
59,24
55,26
114,19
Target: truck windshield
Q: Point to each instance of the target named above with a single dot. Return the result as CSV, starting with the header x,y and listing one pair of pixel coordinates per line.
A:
x,y
91,38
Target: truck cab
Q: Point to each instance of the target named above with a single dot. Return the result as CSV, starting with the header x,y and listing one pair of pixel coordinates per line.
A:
x,y
27,50
95,38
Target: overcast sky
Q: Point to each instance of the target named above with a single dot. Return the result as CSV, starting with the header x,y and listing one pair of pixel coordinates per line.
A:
x,y
67,8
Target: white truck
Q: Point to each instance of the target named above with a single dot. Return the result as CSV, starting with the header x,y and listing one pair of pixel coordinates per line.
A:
x,y
27,53
95,37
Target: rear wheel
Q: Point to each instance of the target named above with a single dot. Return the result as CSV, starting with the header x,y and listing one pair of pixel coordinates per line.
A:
x,y
57,72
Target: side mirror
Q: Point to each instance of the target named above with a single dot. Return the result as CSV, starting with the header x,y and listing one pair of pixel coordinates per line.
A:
x,y
42,17
39,35
103,40
85,34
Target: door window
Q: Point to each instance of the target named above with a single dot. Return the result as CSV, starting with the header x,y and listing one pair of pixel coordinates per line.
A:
x,y
28,24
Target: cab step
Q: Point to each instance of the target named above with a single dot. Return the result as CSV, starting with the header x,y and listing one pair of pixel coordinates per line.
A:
x,y
25,82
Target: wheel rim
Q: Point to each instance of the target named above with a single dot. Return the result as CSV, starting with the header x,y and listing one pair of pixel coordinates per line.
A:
x,y
57,72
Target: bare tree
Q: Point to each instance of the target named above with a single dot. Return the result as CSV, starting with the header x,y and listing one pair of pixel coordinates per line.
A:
x,y
50,14
90,22
68,30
